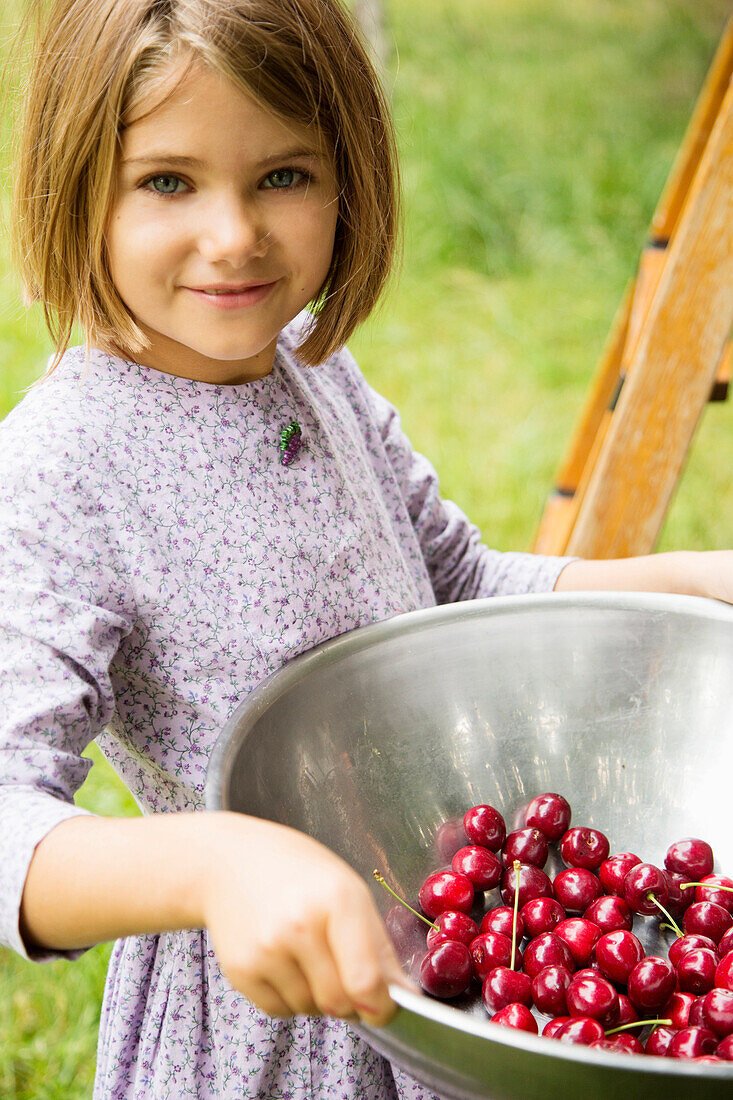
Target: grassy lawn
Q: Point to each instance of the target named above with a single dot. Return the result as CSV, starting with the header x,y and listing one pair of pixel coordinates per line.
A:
x,y
536,137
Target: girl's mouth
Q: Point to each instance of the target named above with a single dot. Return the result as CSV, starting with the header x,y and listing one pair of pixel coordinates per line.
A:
x,y
233,299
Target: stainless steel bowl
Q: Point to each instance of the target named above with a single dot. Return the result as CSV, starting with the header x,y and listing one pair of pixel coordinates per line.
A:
x,y
374,741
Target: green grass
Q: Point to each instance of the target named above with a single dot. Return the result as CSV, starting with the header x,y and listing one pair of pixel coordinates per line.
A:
x,y
536,140
536,137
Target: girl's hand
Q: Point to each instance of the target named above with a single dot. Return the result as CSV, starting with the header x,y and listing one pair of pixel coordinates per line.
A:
x,y
294,928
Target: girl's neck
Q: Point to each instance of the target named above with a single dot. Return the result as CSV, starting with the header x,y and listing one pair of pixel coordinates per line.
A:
x,y
185,364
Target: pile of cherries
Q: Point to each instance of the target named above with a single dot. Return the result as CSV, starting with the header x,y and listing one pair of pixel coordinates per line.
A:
x,y
582,965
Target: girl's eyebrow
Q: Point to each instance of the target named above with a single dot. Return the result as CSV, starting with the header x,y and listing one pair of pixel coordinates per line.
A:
x,y
193,162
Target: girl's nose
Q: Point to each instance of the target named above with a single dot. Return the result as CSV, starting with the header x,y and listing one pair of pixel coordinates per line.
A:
x,y
232,230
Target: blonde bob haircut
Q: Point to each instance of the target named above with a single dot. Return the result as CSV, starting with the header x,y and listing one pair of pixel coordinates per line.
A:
x,y
303,60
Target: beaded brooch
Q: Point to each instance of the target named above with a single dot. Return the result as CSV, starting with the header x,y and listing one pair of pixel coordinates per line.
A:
x,y
291,440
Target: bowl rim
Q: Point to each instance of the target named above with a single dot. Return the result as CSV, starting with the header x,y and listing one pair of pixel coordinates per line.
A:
x,y
442,1013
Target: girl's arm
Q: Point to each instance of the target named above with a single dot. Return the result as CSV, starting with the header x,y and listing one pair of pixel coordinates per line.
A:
x,y
294,928
686,572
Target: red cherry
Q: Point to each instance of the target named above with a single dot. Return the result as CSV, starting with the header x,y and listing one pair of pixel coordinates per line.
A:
x,y
724,972
624,1043
541,915
550,813
692,1042
547,950
446,890
614,870
501,919
551,1028
695,1017
406,931
489,950
610,914
705,918
479,865
576,888
517,1016
726,943
696,971
659,1040
678,899
594,996
580,1029
588,972
677,1009
705,890
484,825
584,847
446,971
717,1011
643,883
617,953
627,1014
683,944
548,990
532,883
504,987
628,1043
691,857
725,1048
452,925
651,982
526,845
449,838
580,935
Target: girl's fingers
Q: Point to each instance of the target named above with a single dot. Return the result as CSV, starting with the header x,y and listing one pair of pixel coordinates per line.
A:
x,y
319,967
286,977
267,999
366,962
306,986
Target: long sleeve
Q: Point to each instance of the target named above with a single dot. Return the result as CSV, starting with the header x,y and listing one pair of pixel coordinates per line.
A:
x,y
60,625
460,566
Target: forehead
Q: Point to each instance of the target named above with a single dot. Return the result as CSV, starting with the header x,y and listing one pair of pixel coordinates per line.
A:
x,y
187,101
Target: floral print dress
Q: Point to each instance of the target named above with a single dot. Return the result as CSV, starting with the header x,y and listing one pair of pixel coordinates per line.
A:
x,y
156,563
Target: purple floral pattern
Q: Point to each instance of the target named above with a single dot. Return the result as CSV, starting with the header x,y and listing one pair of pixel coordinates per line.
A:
x,y
157,561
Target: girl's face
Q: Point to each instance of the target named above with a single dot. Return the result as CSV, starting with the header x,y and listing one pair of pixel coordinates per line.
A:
x,y
214,193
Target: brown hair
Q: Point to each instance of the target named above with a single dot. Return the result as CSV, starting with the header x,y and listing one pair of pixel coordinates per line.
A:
x,y
302,59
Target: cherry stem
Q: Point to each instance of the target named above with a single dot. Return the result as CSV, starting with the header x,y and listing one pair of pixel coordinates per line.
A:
x,y
672,924
382,882
517,865
707,885
638,1023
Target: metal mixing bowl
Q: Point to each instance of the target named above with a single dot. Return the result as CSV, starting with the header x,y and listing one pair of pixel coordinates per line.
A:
x,y
374,741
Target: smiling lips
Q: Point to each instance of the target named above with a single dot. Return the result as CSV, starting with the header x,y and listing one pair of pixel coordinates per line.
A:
x,y
233,297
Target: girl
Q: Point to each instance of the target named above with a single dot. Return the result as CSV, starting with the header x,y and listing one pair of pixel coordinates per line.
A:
x,y
203,490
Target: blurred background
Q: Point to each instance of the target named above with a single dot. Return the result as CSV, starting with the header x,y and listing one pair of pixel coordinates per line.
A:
x,y
535,138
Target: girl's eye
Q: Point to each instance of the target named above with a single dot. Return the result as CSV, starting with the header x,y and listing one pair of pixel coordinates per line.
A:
x,y
169,184
283,178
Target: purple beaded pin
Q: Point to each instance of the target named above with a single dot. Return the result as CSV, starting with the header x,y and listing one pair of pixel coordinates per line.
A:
x,y
291,440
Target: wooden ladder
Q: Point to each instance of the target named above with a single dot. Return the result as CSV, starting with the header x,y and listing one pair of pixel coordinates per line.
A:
x,y
667,355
